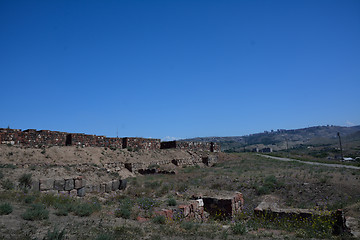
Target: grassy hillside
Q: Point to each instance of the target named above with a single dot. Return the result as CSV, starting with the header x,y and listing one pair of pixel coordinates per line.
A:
x,y
323,137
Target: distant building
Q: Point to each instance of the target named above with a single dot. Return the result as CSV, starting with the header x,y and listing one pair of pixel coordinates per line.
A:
x,y
267,150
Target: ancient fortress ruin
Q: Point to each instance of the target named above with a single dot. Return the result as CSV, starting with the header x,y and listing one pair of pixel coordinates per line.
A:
x,y
42,138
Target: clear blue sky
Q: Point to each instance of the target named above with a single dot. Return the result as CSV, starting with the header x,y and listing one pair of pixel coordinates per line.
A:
x,y
179,68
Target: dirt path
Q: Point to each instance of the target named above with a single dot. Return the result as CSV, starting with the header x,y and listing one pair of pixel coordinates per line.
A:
x,y
311,163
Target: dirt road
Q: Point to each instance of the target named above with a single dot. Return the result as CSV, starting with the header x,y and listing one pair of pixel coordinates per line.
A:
x,y
311,163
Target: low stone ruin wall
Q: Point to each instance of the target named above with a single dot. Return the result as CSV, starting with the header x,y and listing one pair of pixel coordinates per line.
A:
x,y
141,143
75,186
201,209
269,210
144,167
192,146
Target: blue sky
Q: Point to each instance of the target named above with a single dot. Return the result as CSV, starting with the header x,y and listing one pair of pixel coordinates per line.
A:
x,y
179,68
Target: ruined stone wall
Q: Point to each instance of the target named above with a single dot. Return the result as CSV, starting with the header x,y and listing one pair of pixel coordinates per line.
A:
x,y
75,186
141,143
34,138
192,146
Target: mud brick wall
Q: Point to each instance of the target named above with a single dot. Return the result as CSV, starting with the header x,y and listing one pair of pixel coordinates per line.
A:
x,y
141,143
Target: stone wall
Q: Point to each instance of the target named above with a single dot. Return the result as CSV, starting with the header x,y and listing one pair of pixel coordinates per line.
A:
x,y
141,143
75,186
35,138
223,207
192,146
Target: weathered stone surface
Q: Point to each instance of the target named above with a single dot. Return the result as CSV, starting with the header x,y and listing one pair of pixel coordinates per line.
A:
x,y
51,192
102,188
59,184
96,188
69,184
115,185
73,193
64,193
88,188
35,186
108,187
168,214
81,192
123,184
46,184
78,183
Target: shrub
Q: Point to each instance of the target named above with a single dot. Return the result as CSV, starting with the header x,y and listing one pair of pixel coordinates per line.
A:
x,y
104,236
5,209
1,175
159,219
187,225
172,202
29,199
238,228
36,212
25,181
7,184
83,209
55,235
123,213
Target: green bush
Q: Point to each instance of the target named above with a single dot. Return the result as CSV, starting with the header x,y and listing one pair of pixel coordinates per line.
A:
x,y
83,209
5,209
1,175
187,225
172,202
159,219
29,199
104,236
125,208
123,213
269,185
25,181
63,210
7,184
238,228
36,212
55,234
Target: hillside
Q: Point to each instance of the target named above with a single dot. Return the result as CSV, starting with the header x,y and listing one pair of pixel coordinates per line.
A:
x,y
282,139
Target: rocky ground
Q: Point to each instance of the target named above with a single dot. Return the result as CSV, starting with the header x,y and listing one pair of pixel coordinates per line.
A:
x,y
130,213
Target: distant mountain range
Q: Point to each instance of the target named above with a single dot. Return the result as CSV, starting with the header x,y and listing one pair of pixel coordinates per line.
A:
x,y
282,139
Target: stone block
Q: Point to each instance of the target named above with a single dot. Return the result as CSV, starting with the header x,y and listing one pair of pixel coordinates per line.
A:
x,y
88,188
51,192
69,184
59,184
78,183
96,188
108,187
81,192
123,183
115,185
102,188
73,193
35,186
46,184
